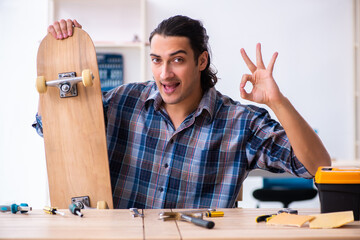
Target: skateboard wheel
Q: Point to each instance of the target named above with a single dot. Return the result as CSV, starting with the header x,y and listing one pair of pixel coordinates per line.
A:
x,y
41,84
102,205
87,78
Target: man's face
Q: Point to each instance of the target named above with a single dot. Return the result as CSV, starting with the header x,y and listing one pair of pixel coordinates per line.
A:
x,y
175,70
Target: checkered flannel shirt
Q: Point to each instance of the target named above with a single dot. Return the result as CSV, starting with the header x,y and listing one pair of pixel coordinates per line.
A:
x,y
202,164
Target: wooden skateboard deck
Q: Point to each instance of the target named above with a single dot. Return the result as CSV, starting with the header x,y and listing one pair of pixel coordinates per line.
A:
x,y
73,127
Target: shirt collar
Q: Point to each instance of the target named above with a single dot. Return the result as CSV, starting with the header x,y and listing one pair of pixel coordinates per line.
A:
x,y
208,101
155,97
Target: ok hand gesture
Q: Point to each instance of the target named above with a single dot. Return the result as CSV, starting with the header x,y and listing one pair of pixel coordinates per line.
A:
x,y
265,89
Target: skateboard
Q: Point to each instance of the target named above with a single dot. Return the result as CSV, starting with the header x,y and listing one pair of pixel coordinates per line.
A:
x,y
70,104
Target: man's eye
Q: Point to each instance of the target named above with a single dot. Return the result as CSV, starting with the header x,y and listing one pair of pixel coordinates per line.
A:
x,y
177,60
155,60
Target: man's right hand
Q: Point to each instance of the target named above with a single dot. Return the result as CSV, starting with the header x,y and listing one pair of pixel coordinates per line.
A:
x,y
63,29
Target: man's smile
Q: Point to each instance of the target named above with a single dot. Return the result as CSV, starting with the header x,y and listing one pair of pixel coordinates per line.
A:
x,y
170,87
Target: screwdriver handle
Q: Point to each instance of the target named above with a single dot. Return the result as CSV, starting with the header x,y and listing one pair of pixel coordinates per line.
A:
x,y
49,210
214,214
52,210
5,208
263,218
75,210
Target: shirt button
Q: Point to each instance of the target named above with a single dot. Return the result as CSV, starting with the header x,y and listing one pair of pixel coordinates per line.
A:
x,y
161,189
166,165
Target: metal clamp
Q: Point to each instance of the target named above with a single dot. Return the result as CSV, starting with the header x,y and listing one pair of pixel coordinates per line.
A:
x,y
135,212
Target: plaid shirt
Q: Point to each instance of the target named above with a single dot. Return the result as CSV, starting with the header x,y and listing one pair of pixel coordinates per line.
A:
x,y
201,164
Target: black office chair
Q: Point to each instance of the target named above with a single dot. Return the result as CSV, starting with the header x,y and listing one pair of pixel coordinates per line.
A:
x,y
285,190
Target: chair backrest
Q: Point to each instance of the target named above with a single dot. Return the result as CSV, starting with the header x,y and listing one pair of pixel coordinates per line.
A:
x,y
285,190
288,183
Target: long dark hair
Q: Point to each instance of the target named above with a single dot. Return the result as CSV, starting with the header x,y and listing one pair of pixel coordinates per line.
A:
x,y
182,26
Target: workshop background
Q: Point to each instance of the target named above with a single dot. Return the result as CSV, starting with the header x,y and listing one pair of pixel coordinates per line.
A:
x,y
315,68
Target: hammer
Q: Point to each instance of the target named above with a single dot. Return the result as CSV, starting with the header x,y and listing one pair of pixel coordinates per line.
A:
x,y
192,217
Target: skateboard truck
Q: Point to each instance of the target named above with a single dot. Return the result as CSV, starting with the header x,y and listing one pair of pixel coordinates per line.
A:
x,y
68,87
66,83
84,203
81,202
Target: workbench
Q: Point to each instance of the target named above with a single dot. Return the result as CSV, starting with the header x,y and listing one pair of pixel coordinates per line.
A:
x,y
237,223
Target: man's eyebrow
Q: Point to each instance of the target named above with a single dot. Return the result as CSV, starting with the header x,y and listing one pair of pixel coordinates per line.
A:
x,y
171,54
177,52
154,55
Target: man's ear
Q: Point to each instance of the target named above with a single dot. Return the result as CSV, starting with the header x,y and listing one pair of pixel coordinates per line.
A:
x,y
203,60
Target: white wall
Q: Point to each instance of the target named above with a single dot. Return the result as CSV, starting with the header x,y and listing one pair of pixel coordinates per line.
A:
x,y
314,70
22,163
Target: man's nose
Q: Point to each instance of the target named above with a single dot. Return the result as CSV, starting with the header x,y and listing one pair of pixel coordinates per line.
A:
x,y
166,72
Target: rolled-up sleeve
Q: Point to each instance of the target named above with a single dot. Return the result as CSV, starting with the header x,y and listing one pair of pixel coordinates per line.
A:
x,y
268,147
38,125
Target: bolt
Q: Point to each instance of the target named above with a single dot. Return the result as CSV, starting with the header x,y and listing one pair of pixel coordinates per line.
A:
x,y
65,87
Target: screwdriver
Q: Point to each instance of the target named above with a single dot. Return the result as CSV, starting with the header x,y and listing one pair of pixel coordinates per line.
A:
x,y
52,210
75,210
14,208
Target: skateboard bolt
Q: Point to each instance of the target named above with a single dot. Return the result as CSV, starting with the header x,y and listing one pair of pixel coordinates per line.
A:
x,y
65,87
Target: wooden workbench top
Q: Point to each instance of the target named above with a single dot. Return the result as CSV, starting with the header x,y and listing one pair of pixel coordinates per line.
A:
x,y
119,224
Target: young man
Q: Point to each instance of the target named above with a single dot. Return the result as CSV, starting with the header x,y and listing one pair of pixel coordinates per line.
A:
x,y
178,143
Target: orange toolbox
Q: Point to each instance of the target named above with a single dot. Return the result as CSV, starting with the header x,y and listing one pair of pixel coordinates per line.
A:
x,y
339,189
